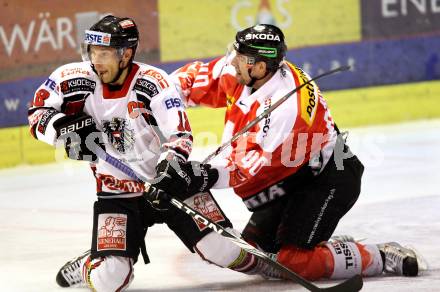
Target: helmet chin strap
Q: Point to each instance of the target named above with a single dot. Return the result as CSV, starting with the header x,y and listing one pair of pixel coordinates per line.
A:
x,y
120,70
254,79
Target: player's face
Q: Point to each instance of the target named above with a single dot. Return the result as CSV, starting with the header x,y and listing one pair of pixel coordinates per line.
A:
x,y
242,64
106,62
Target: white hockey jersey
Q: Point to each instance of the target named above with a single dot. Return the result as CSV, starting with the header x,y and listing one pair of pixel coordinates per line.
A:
x,y
143,119
299,132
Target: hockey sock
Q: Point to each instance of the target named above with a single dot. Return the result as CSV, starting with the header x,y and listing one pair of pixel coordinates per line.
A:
x,y
338,260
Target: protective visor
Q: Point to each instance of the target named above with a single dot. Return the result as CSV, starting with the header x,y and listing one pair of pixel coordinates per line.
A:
x,y
233,52
101,40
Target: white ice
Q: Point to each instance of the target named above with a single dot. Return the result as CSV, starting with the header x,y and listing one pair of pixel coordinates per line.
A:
x,y
46,219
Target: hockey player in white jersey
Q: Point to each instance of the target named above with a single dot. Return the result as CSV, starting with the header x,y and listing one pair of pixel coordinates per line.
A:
x,y
293,169
132,111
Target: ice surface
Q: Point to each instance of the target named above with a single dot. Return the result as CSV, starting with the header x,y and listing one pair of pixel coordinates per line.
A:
x,y
46,219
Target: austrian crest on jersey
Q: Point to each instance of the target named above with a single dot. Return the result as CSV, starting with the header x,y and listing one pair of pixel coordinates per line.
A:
x,y
119,134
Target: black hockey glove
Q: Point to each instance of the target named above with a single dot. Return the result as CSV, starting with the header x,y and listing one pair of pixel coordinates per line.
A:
x,y
202,176
184,179
80,136
157,198
171,177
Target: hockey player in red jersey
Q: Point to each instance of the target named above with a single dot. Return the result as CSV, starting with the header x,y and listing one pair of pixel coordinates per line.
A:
x,y
132,111
293,170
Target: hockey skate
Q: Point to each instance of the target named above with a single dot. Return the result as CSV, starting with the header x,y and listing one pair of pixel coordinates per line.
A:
x,y
267,271
70,274
399,260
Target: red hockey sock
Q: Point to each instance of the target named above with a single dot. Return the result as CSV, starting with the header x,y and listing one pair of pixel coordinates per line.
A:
x,y
310,264
338,260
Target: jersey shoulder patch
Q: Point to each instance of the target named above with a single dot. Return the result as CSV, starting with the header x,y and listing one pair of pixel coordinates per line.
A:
x,y
78,84
78,69
146,86
307,95
76,77
155,75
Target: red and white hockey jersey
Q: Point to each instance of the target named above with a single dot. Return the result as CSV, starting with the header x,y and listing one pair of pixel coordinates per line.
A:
x,y
142,120
299,132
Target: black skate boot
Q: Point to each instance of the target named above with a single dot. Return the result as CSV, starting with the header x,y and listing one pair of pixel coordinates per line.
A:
x,y
70,274
399,260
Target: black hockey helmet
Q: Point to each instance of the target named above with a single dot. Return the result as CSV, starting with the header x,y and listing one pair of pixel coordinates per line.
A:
x,y
264,42
114,32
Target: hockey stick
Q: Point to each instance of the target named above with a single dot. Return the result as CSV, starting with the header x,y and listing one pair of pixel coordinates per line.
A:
x,y
268,111
351,285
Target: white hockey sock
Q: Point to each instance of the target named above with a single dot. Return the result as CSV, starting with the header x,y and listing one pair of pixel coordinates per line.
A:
x,y
110,273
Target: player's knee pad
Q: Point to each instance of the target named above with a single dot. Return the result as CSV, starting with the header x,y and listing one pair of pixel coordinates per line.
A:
x,y
110,273
217,249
